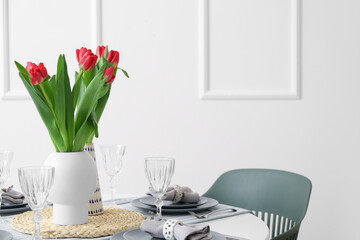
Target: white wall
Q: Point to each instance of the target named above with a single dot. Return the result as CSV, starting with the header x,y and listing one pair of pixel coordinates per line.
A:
x,y
273,119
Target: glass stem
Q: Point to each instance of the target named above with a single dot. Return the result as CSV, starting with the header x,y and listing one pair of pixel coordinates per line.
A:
x,y
159,203
37,219
112,190
1,219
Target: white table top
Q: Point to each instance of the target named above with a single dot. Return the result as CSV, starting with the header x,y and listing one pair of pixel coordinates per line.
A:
x,y
246,226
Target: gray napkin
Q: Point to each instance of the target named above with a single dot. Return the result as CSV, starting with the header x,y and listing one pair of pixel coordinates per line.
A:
x,y
10,196
181,231
189,195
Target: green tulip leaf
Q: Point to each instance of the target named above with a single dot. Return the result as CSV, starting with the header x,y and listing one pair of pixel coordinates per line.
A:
x,y
76,88
60,98
88,76
88,101
23,71
69,107
64,103
94,122
101,104
52,82
103,63
124,72
104,90
82,136
46,115
48,89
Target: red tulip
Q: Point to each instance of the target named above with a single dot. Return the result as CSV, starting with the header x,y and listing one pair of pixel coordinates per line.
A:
x,y
113,57
86,58
37,73
100,51
109,73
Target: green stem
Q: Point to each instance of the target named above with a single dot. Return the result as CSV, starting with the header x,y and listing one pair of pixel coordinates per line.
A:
x,y
81,73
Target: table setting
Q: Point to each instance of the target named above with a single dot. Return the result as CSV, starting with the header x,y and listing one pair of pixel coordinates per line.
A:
x,y
187,216
62,198
12,201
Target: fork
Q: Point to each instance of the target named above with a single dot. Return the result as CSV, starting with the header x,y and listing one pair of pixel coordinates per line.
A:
x,y
210,213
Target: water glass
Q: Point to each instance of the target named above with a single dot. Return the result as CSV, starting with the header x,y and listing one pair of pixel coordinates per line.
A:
x,y
159,171
113,159
5,160
36,183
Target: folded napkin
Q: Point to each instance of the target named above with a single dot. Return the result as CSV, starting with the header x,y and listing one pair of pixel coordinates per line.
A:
x,y
180,231
188,195
10,196
180,194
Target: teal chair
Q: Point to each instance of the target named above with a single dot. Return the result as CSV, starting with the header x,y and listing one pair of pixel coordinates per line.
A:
x,y
279,198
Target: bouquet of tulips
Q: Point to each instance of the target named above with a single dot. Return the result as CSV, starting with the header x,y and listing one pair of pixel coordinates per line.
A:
x,y
72,115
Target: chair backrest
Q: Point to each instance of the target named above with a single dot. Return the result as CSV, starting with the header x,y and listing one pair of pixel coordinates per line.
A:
x,y
272,191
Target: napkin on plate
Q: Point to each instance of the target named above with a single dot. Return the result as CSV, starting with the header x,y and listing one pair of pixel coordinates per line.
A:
x,y
10,196
181,231
188,195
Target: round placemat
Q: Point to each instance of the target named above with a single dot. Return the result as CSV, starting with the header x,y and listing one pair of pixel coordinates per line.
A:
x,y
112,221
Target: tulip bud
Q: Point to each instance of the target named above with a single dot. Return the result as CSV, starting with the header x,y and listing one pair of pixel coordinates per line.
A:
x,y
109,73
37,73
113,57
86,58
100,51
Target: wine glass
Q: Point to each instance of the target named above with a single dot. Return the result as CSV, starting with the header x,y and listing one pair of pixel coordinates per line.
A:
x,y
113,159
159,171
35,183
5,161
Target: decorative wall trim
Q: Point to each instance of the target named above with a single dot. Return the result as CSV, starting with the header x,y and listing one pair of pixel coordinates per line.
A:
x,y
7,95
11,94
97,22
204,86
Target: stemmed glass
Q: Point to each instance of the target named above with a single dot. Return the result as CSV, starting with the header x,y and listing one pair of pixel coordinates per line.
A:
x,y
159,171
35,183
113,159
5,160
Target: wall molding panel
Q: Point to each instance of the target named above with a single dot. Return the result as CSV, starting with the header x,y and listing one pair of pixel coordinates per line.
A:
x,y
16,94
207,93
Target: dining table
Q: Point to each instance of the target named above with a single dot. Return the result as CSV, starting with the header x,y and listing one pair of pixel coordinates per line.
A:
x,y
241,226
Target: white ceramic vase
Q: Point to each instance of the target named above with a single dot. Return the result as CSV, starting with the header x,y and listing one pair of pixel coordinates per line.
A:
x,y
74,184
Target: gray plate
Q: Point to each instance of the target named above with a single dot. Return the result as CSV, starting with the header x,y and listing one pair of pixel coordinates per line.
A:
x,y
4,235
209,204
137,234
169,204
15,205
14,210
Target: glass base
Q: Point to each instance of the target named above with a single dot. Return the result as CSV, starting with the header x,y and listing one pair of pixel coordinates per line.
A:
x,y
37,238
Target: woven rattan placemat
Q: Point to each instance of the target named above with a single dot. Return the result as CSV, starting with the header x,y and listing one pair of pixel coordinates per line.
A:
x,y
112,221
